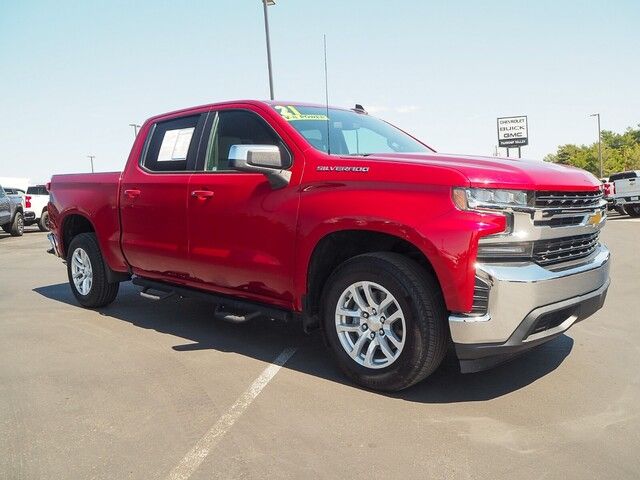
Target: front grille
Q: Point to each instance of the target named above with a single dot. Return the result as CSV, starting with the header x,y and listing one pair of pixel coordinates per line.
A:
x,y
560,221
568,200
550,252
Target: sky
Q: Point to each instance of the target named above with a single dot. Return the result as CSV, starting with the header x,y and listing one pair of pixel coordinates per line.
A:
x,y
74,75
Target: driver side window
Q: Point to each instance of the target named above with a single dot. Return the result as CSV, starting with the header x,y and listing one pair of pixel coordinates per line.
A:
x,y
236,127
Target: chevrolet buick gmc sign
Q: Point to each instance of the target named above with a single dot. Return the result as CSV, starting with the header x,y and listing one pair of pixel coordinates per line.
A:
x,y
513,132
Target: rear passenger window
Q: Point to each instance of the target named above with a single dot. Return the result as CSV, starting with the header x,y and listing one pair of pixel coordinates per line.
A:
x,y
173,145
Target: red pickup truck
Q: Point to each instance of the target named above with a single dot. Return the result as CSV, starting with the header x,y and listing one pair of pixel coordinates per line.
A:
x,y
341,220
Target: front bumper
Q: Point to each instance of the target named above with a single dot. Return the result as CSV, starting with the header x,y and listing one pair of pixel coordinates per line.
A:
x,y
528,305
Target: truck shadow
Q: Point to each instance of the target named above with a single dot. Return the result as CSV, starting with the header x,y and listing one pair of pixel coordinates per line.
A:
x,y
192,320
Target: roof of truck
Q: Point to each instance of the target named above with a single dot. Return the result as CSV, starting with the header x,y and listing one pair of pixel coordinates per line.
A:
x,y
268,103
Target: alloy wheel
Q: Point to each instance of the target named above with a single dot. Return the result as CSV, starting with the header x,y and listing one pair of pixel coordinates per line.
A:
x,y
370,325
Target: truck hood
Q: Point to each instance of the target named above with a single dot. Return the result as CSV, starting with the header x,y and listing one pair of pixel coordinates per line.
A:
x,y
499,172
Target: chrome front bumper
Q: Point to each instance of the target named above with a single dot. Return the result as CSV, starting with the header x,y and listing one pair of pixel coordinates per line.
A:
x,y
522,296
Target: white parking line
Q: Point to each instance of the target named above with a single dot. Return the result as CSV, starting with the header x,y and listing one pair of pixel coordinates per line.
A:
x,y
199,452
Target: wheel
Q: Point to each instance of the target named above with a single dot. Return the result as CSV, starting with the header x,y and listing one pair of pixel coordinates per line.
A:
x,y
633,210
43,223
620,209
17,226
384,320
87,273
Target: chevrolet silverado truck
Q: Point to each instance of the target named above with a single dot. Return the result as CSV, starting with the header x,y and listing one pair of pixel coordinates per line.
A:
x,y
35,209
626,192
342,221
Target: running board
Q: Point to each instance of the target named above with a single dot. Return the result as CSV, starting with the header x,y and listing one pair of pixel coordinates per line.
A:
x,y
145,293
226,307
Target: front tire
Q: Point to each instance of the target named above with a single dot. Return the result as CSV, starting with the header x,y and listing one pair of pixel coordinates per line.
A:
x,y
87,273
43,223
384,320
17,226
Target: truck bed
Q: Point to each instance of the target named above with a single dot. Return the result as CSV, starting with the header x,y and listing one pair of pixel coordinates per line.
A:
x,y
93,196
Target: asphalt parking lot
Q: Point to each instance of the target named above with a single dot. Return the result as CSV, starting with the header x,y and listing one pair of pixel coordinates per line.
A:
x,y
149,390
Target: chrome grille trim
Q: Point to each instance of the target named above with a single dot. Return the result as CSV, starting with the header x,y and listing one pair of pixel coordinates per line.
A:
x,y
551,252
568,200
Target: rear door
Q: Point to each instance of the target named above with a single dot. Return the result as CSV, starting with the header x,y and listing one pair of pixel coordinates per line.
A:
x,y
241,230
5,207
154,199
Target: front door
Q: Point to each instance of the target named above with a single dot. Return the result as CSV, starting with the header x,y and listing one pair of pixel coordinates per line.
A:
x,y
241,230
154,197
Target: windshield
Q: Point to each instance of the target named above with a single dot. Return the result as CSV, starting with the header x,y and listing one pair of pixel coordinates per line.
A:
x,y
350,132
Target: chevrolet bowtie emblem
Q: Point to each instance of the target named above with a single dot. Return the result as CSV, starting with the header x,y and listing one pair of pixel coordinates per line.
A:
x,y
595,218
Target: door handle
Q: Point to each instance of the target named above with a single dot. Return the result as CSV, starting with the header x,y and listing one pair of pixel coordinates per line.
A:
x,y
132,194
202,194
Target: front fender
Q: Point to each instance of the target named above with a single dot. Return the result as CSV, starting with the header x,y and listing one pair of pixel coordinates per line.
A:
x,y
423,216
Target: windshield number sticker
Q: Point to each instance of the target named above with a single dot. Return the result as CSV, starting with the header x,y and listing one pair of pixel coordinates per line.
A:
x,y
291,113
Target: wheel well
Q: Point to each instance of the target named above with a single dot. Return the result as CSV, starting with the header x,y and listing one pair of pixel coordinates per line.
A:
x,y
338,247
74,225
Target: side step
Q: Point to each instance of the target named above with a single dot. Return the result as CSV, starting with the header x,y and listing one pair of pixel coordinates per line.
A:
x,y
227,308
145,293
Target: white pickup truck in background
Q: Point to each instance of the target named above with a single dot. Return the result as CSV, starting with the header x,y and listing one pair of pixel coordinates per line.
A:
x,y
35,207
626,192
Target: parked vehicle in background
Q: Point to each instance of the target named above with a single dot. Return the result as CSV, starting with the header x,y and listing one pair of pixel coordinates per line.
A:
x,y
340,220
626,192
36,201
15,192
11,213
607,190
28,217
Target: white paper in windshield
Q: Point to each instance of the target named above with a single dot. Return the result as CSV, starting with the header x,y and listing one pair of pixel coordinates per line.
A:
x,y
175,144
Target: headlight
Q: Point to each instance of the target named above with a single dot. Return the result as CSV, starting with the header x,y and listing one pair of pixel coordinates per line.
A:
x,y
479,198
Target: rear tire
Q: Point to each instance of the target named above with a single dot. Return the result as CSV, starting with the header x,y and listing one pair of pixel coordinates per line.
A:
x,y
620,209
88,274
396,353
43,223
633,210
17,226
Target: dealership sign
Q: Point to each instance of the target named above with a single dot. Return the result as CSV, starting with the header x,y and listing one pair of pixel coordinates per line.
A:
x,y
513,132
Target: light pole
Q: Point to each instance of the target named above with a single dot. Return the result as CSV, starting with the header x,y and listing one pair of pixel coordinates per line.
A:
x,y
135,129
599,141
91,157
265,4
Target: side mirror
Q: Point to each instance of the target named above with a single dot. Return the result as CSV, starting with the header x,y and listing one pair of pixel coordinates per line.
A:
x,y
265,159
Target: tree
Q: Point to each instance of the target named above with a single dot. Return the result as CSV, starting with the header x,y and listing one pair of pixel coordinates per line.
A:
x,y
620,152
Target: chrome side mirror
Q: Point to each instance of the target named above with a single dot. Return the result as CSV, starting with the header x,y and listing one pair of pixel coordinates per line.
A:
x,y
265,159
